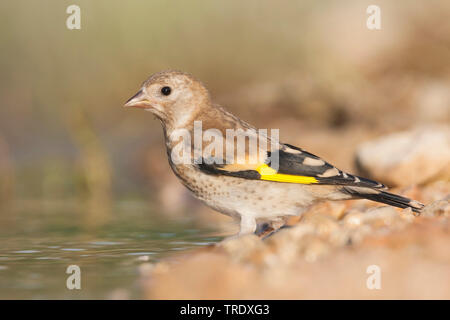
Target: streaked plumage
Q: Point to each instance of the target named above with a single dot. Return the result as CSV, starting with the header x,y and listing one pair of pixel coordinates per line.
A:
x,y
249,189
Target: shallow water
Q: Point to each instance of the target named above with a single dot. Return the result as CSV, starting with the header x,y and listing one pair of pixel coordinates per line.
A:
x,y
38,243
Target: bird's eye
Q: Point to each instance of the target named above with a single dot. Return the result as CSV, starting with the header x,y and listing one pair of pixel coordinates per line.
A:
x,y
166,91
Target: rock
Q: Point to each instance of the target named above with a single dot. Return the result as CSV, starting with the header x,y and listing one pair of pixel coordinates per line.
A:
x,y
407,158
432,101
300,264
437,208
241,247
325,255
201,276
384,216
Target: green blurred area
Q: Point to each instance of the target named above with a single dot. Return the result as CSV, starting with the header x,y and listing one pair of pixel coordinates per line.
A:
x,y
63,132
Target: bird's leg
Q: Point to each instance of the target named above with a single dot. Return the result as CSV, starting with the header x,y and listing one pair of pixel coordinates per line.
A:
x,y
264,229
248,225
267,229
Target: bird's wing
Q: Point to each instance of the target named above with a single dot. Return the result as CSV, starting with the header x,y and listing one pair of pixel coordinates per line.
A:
x,y
294,166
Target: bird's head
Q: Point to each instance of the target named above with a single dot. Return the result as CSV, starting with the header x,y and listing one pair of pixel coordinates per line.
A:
x,y
172,96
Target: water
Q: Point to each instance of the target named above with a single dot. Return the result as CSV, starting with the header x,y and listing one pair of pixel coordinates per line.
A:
x,y
38,243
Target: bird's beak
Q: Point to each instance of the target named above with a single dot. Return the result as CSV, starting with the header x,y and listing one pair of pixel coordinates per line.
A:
x,y
139,100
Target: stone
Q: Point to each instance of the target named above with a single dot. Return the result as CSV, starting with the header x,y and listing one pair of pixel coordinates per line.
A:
x,y
437,208
407,158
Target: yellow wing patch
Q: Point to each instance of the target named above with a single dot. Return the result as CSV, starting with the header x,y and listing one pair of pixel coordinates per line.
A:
x,y
269,174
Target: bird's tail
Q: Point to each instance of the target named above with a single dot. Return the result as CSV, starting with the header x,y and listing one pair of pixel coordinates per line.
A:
x,y
384,197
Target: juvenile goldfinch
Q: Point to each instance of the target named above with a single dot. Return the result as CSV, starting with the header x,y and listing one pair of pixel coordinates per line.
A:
x,y
253,186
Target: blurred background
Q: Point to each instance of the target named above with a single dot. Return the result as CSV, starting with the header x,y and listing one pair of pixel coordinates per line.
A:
x,y
78,171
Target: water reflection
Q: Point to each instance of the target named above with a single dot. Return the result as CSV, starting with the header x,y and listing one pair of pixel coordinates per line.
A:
x,y
38,246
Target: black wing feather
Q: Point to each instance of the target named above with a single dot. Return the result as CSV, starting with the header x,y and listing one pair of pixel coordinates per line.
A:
x,y
294,164
297,162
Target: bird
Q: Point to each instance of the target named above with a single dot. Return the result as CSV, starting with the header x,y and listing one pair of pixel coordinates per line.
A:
x,y
260,187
